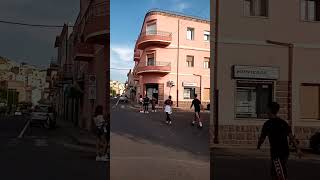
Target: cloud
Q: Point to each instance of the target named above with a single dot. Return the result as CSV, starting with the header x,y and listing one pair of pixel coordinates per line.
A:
x,y
181,6
121,58
123,52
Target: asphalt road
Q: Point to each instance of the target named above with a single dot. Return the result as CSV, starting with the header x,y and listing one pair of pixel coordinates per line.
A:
x,y
43,154
231,166
144,147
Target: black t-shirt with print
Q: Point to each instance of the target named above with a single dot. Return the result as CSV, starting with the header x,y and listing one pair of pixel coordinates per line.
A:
x,y
196,103
277,131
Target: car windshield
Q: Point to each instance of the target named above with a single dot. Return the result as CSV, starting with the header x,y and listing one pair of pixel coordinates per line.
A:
x,y
41,109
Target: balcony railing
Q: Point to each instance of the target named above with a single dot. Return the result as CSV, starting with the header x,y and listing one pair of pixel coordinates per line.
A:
x,y
67,72
137,55
154,38
96,22
83,52
155,67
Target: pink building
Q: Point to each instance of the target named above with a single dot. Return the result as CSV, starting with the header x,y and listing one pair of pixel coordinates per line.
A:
x,y
83,57
173,49
253,71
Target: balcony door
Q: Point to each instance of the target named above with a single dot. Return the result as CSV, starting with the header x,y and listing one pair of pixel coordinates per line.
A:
x,y
151,59
151,28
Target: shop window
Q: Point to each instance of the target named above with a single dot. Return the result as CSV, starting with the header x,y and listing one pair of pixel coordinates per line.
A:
x,y
310,101
256,8
310,10
252,99
151,28
188,93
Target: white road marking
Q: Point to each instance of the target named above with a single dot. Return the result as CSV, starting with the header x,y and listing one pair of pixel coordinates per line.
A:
x,y
24,129
116,103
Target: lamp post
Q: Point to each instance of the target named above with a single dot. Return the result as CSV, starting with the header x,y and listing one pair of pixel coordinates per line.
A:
x,y
200,84
290,66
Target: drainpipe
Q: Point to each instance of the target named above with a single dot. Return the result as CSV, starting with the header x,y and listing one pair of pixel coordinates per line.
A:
x,y
215,76
178,51
290,47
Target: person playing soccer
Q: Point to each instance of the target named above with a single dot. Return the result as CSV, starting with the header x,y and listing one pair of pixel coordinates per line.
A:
x,y
197,107
278,132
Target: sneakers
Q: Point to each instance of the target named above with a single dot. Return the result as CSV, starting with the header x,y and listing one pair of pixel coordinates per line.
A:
x,y
200,125
169,122
193,123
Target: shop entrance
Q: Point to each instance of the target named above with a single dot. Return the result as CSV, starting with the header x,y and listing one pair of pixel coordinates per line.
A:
x,y
152,90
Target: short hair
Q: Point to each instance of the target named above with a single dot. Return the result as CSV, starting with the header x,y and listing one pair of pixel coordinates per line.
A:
x,y
195,95
169,97
274,107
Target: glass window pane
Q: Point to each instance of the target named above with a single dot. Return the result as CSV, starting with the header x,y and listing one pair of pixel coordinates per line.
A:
x,y
303,10
187,93
247,7
246,102
311,10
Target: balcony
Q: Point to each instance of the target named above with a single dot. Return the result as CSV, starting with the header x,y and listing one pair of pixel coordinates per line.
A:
x,y
157,67
83,52
154,38
137,55
96,21
67,73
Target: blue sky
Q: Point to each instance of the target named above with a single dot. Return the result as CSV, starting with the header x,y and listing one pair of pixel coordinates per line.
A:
x,y
126,20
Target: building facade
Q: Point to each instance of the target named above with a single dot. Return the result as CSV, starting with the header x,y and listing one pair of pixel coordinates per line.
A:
x,y
172,57
83,59
266,55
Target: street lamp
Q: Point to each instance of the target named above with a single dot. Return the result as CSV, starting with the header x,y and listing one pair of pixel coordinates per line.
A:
x,y
290,66
200,84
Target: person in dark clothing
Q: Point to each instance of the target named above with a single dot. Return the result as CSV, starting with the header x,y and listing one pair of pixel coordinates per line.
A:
x,y
278,132
153,103
168,109
146,102
197,107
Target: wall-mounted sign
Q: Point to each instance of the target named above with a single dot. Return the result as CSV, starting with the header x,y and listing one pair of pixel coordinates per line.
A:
x,y
189,84
92,93
92,80
255,72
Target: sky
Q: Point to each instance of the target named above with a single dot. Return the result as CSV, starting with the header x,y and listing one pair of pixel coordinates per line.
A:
x,y
33,45
126,20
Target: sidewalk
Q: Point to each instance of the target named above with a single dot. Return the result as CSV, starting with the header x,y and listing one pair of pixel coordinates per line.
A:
x,y
78,135
251,151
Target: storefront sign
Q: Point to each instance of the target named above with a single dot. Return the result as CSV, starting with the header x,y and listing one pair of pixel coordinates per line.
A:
x,y
92,80
255,72
92,93
188,84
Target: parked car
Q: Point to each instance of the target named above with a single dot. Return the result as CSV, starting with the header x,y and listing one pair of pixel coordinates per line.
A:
x,y
18,113
315,142
123,99
43,115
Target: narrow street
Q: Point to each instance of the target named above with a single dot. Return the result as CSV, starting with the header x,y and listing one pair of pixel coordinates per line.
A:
x,y
144,147
44,154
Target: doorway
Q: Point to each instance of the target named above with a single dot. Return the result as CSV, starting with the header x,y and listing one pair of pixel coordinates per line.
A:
x,y
152,90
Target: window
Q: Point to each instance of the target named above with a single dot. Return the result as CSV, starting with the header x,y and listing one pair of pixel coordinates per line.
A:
x,y
206,63
252,99
206,35
188,93
310,10
256,8
310,101
190,33
150,60
190,61
151,28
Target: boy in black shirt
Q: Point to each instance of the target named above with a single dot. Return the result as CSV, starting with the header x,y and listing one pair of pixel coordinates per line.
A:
x,y
196,103
278,132
146,101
